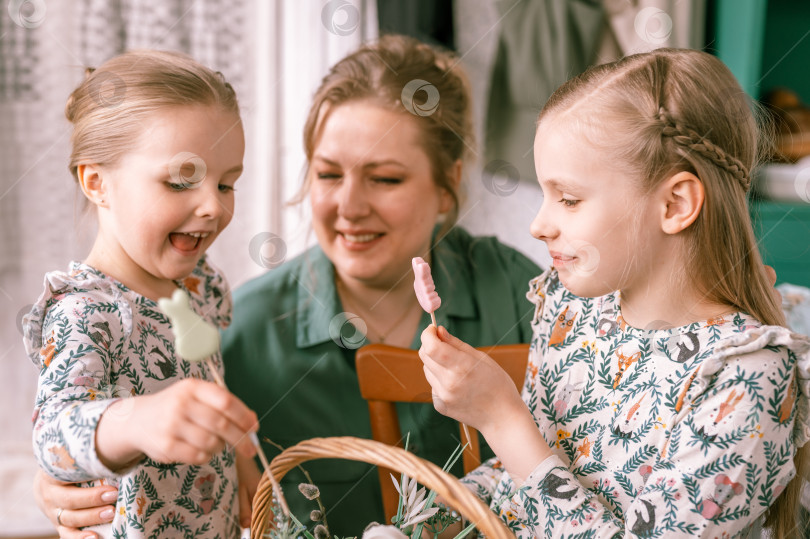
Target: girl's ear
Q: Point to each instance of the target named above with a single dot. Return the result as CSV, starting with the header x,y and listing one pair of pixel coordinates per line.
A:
x,y
92,184
455,178
682,197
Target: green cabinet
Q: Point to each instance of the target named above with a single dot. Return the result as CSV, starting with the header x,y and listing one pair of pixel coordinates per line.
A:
x,y
783,230
766,43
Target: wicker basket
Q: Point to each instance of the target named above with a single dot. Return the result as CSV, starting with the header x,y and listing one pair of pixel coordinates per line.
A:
x,y
426,473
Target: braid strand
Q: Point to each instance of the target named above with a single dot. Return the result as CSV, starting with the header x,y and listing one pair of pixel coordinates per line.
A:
x,y
688,138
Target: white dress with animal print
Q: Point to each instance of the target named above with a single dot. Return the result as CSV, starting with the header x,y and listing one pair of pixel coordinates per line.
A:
x,y
684,432
95,342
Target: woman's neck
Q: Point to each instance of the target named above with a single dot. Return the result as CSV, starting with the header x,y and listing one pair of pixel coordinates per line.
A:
x,y
391,313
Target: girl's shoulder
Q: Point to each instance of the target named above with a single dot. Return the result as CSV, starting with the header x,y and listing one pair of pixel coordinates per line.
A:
x,y
770,357
82,295
80,281
758,340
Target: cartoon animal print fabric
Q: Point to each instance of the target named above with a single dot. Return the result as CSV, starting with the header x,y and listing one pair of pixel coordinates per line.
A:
x,y
96,341
680,432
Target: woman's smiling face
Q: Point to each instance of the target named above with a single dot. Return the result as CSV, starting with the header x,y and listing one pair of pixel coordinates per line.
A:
x,y
374,200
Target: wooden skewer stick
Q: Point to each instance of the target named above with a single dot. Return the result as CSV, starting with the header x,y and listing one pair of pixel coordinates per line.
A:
x,y
254,438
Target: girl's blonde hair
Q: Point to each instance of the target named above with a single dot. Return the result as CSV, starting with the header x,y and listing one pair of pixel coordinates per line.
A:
x,y
109,107
673,110
378,72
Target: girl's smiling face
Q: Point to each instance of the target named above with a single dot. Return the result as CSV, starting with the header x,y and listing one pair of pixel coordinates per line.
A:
x,y
374,200
167,199
600,228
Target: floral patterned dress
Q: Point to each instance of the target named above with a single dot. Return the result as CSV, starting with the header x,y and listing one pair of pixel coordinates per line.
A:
x,y
683,432
95,341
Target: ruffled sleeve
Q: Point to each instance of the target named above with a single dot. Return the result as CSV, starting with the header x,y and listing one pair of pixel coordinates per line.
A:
x,y
77,326
796,350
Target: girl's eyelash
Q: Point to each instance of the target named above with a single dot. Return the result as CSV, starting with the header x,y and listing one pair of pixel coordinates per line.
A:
x,y
183,186
569,202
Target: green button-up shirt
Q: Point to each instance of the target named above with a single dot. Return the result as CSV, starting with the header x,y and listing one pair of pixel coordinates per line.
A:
x,y
282,359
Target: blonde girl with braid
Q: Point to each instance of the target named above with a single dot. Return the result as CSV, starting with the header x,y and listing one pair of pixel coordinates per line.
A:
x,y
663,397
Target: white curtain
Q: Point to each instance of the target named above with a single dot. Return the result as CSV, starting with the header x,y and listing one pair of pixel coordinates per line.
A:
x,y
274,52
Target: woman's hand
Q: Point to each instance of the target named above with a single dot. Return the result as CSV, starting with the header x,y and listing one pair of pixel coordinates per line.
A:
x,y
470,387
80,506
189,422
249,476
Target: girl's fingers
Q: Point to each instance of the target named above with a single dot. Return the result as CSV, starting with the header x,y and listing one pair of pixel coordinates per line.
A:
x,y
430,339
456,343
228,405
179,449
443,348
202,437
219,429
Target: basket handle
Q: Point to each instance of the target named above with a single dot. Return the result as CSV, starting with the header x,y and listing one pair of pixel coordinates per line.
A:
x,y
363,450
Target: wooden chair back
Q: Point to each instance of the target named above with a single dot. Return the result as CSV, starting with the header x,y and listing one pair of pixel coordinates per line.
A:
x,y
389,374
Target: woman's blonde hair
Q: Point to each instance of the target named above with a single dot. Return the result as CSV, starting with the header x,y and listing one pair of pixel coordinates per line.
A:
x,y
388,73
673,110
109,107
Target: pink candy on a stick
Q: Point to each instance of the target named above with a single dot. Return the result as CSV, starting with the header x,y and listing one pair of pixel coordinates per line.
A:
x,y
425,289
430,301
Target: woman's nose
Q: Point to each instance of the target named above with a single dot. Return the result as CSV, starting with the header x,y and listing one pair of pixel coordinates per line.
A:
x,y
353,198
